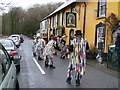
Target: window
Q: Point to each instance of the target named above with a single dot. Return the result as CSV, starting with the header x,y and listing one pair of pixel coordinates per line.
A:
x,y
54,21
5,59
51,31
57,32
46,24
1,71
63,18
51,20
73,8
71,35
4,64
58,19
101,8
100,35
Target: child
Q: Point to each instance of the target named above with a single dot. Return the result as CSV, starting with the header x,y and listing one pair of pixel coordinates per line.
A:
x,y
63,49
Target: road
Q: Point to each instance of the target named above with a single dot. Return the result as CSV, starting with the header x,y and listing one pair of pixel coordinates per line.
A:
x,y
36,75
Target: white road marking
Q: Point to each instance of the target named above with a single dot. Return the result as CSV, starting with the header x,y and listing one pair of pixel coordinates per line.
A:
x,y
39,67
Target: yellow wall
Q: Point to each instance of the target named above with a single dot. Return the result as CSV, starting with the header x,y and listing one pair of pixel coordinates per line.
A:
x,y
92,21
119,10
48,28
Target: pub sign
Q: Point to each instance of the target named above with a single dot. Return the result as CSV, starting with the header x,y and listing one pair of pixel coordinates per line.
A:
x,y
70,19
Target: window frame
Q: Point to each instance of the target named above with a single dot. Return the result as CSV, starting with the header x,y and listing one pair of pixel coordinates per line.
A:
x,y
54,21
58,19
103,36
63,17
100,5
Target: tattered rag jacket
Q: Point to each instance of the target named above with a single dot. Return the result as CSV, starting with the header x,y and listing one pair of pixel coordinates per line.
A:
x,y
78,56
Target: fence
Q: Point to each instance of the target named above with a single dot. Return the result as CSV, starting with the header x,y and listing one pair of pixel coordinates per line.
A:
x,y
113,58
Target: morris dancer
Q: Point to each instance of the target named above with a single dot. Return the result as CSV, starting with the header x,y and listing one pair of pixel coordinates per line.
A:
x,y
48,52
77,58
40,45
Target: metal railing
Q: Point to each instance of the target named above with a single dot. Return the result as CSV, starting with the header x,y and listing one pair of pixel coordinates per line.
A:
x,y
113,58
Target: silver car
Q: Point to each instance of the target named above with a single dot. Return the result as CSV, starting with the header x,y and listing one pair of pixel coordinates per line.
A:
x,y
12,50
8,44
16,39
8,76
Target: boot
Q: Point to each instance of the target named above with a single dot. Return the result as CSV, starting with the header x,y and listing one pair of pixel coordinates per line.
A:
x,y
46,64
52,66
63,57
68,80
39,58
77,82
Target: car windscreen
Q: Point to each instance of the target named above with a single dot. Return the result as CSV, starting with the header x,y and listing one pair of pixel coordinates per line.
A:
x,y
15,38
6,43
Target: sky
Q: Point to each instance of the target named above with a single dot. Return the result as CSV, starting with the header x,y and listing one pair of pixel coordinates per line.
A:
x,y
29,3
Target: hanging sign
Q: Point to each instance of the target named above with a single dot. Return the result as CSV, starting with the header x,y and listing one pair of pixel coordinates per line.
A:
x,y
70,19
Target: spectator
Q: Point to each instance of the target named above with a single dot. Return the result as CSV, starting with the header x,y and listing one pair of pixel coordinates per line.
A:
x,y
117,46
100,49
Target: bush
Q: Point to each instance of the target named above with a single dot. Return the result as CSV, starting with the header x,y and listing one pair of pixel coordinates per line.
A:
x,y
92,53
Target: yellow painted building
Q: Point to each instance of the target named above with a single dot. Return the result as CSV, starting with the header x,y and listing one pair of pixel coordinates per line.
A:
x,y
89,17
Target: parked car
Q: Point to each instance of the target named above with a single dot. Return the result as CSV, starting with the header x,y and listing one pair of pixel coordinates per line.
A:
x,y
16,39
12,50
8,76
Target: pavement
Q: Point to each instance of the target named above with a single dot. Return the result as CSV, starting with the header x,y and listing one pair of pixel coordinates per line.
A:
x,y
102,67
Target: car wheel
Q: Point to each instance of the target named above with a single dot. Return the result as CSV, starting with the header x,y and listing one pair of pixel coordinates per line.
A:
x,y
17,85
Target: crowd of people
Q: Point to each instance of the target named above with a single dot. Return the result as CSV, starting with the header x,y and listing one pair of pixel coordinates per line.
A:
x,y
75,52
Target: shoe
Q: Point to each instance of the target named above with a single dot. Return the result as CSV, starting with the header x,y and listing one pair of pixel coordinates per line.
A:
x,y
39,58
46,64
52,66
68,80
63,57
78,82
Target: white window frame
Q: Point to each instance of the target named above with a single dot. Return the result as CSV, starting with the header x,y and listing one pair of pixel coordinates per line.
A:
x,y
57,32
51,21
54,21
102,3
64,15
100,31
58,19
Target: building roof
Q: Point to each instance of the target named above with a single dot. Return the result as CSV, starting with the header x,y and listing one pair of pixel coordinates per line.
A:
x,y
61,7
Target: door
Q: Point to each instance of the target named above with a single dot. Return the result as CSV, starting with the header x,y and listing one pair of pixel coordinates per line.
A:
x,y
71,36
9,80
100,35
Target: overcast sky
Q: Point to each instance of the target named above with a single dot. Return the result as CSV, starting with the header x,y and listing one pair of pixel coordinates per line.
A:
x,y
29,3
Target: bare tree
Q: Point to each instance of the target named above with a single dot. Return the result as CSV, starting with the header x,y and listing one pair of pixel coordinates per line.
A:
x,y
27,21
